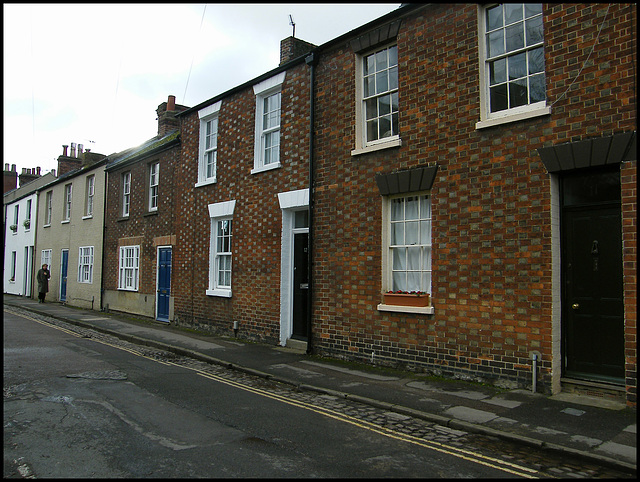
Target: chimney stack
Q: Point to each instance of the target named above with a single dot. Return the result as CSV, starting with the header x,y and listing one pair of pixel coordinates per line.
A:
x,y
64,150
73,150
27,176
291,48
167,111
9,178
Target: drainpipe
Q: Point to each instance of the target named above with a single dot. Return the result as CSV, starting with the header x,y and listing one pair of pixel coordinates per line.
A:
x,y
534,374
311,60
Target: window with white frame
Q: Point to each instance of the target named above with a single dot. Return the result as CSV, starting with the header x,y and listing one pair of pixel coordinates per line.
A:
x,y
48,207
45,257
268,113
126,193
221,215
91,188
16,216
14,257
208,155
409,244
27,220
512,61
154,179
379,101
67,203
129,267
85,264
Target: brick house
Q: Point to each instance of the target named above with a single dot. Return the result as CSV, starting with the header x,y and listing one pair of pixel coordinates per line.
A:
x,y
242,226
486,156
139,224
69,221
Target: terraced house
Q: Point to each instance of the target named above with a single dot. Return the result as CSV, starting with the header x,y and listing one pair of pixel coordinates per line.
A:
x,y
485,155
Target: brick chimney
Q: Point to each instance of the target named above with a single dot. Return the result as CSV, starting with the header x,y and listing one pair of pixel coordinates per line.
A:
x,y
291,48
10,178
27,176
167,111
67,163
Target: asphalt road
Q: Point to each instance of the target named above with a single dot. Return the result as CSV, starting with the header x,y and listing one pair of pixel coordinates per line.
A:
x,y
78,406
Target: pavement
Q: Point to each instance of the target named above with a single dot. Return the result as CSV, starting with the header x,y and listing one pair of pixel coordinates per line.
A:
x,y
596,429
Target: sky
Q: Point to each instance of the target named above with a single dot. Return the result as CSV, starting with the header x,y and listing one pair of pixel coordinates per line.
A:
x,y
94,74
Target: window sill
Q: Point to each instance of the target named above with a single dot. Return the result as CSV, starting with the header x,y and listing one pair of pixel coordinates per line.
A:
x,y
123,218
90,216
268,167
422,310
66,221
150,213
219,293
483,124
206,182
46,225
397,142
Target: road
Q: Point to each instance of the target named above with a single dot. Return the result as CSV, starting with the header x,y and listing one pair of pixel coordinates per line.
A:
x,y
82,404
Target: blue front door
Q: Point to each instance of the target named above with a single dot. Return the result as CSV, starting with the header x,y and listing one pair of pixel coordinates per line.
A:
x,y
164,284
63,274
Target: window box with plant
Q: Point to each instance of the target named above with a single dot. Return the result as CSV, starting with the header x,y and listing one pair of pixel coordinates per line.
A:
x,y
27,223
13,227
407,298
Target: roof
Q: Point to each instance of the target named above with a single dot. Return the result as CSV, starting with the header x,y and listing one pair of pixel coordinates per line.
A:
x,y
147,148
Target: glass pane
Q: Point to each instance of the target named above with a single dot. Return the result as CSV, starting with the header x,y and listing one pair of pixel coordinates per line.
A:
x,y
413,258
425,207
536,61
385,126
301,219
498,71
412,205
393,55
413,281
394,123
397,234
382,82
498,98
495,43
394,102
381,60
494,17
518,94
369,86
412,232
371,108
426,282
515,37
399,259
426,259
372,130
531,9
384,105
512,12
537,88
399,281
425,232
397,212
517,66
534,30
393,78
369,65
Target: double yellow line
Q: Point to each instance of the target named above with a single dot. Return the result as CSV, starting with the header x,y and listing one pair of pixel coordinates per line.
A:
x,y
508,467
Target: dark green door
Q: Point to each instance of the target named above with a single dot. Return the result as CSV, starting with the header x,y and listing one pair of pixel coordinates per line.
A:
x,y
593,312
300,285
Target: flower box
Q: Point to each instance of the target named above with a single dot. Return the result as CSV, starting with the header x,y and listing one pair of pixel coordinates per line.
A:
x,y
13,227
407,299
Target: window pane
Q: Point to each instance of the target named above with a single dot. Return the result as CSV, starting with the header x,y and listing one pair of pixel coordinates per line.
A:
x,y
413,281
531,9
426,259
369,85
394,124
397,234
384,105
494,17
425,232
537,88
517,66
498,98
518,93
515,37
399,281
382,82
413,258
371,107
399,258
534,30
498,71
536,61
301,219
381,60
397,210
426,282
412,208
372,130
412,232
385,126
512,12
495,43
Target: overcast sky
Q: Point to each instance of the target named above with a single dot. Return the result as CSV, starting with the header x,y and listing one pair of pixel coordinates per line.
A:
x,y
95,74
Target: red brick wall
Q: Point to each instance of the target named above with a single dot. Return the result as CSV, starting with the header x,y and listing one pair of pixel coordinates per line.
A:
x,y
257,219
491,197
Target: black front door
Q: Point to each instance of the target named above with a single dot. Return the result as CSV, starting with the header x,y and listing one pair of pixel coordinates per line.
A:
x,y
593,311
300,284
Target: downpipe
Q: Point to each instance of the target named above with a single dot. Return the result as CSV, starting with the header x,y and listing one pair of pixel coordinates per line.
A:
x,y
534,372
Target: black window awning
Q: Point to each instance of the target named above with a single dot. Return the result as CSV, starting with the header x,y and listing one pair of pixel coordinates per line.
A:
x,y
410,180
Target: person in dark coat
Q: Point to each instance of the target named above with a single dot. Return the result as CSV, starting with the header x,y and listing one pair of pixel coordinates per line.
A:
x,y
43,282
